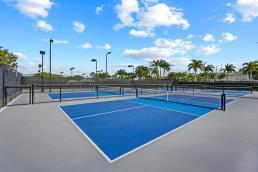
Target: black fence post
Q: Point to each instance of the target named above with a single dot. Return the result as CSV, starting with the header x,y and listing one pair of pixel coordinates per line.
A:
x,y
32,93
60,93
3,86
223,101
5,95
136,91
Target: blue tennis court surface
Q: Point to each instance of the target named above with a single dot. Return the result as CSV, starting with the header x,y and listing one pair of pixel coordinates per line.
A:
x,y
87,94
117,128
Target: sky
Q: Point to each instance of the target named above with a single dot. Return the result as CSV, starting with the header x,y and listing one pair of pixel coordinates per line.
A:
x,y
135,31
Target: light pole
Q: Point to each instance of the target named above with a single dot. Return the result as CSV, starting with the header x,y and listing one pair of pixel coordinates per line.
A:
x,y
106,59
42,68
71,69
132,66
95,60
50,62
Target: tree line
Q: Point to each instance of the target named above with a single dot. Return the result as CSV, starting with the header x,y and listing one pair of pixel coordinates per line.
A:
x,y
197,71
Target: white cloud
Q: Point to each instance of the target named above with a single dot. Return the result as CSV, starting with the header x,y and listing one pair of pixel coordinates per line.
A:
x,y
229,18
190,36
209,49
32,8
44,26
151,52
20,55
99,9
141,33
149,16
78,27
86,45
106,47
163,48
208,38
229,37
248,9
56,41
179,61
178,44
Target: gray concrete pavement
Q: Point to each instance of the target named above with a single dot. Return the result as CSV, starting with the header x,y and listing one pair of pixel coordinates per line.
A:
x,y
39,138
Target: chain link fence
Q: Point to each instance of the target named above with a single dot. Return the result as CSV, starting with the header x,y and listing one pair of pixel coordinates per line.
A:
x,y
8,77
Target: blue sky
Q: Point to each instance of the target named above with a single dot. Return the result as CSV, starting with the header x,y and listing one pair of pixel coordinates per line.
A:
x,y
135,31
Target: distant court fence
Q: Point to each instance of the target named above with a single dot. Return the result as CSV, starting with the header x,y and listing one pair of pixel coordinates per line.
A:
x,y
9,77
38,93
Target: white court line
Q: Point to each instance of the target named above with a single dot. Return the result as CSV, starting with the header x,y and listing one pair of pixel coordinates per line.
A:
x,y
8,104
136,149
192,114
104,113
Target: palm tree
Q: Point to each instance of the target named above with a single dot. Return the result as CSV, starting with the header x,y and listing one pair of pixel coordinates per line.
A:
x,y
163,64
155,71
250,68
142,72
229,68
195,65
207,69
156,65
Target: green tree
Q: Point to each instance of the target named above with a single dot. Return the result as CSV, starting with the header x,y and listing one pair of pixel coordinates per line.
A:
x,y
195,65
165,66
156,66
155,72
250,68
207,70
142,72
7,58
121,73
229,68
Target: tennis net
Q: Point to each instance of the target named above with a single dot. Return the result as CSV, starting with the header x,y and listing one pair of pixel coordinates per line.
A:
x,y
187,98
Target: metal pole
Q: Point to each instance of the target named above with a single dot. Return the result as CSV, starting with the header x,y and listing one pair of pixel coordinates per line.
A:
x,y
42,72
96,67
106,62
3,85
50,63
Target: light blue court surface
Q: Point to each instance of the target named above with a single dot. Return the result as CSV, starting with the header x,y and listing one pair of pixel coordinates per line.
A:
x,y
229,92
118,128
88,94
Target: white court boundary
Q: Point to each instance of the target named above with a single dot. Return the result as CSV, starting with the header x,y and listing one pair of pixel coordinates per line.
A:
x,y
147,143
111,161
2,109
100,114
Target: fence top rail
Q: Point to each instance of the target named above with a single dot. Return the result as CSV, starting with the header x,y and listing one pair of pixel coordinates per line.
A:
x,y
132,84
18,86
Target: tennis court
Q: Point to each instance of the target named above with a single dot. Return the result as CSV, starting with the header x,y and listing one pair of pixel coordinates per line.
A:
x,y
89,94
118,128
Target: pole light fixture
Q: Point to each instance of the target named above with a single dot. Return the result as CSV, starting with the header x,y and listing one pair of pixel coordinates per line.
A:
x,y
42,68
95,60
50,62
71,69
106,59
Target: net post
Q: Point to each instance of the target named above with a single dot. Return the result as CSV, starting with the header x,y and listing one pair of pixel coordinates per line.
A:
x,y
223,101
60,93
167,88
136,91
